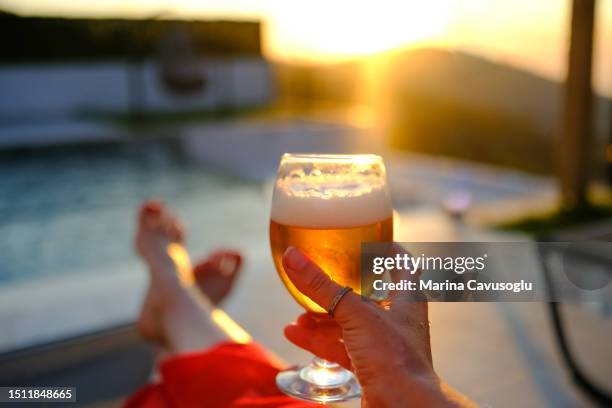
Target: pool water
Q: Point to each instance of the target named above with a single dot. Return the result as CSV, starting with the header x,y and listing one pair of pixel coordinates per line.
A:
x,y
72,210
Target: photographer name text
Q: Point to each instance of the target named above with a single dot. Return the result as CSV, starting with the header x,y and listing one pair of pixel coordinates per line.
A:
x,y
458,264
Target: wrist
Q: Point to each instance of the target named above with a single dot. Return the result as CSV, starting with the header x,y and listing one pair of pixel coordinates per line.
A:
x,y
430,391
408,389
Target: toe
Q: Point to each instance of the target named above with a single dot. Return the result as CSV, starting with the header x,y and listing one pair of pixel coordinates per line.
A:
x,y
171,227
150,214
177,231
228,262
150,207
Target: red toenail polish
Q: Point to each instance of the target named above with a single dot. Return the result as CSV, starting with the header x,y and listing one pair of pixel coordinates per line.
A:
x,y
151,208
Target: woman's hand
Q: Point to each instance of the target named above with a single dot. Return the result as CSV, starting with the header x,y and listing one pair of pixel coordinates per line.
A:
x,y
387,346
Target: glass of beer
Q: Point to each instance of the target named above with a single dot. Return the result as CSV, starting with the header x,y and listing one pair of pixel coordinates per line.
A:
x,y
327,205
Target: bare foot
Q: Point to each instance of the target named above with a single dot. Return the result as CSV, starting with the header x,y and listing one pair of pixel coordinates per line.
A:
x,y
216,275
159,242
157,230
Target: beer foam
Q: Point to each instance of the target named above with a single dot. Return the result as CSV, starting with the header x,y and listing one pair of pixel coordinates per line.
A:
x,y
330,201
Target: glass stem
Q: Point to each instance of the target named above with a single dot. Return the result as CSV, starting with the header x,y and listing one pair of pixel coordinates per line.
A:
x,y
321,363
324,374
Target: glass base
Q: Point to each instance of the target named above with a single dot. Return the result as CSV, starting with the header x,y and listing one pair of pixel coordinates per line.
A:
x,y
320,381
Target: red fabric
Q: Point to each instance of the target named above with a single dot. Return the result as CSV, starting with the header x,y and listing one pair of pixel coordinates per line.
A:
x,y
227,375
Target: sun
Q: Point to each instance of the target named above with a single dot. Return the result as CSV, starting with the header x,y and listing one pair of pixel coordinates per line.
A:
x,y
336,30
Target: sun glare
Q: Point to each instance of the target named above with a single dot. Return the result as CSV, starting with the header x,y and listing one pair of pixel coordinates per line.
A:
x,y
321,30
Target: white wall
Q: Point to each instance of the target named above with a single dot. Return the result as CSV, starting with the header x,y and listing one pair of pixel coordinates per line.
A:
x,y
63,90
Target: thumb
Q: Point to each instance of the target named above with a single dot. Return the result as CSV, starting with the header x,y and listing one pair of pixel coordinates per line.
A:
x,y
309,279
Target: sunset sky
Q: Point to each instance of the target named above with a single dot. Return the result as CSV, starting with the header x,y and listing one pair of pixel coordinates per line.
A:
x,y
529,34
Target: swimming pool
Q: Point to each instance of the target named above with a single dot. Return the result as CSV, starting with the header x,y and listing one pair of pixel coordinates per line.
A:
x,y
71,210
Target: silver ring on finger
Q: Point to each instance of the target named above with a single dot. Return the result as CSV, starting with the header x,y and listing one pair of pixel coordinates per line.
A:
x,y
336,300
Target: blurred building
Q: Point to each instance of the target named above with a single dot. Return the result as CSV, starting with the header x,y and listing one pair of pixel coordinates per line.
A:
x,y
76,72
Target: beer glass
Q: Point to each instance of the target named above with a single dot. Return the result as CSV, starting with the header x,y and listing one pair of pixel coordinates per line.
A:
x,y
327,205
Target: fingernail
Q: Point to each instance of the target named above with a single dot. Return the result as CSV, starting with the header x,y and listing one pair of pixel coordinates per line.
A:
x,y
294,259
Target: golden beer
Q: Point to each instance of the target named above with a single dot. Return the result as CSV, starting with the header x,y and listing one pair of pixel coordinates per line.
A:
x,y
327,205
336,250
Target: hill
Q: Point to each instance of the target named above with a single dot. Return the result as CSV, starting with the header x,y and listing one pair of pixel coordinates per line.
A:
x,y
457,104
